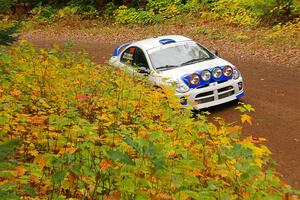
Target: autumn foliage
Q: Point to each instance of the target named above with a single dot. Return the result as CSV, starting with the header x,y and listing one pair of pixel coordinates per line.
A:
x,y
72,129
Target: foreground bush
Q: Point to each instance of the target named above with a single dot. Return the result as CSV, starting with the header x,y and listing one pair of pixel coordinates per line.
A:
x,y
71,129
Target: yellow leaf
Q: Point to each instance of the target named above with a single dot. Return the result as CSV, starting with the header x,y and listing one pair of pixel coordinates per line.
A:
x,y
218,118
33,152
172,152
259,162
246,118
108,123
46,105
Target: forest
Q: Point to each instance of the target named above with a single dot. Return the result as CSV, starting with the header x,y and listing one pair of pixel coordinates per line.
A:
x,y
71,128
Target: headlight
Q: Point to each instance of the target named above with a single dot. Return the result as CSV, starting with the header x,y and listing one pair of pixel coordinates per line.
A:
x,y
182,88
205,75
194,79
217,72
227,71
236,74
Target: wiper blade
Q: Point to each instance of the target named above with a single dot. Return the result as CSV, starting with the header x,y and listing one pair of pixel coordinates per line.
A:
x,y
167,67
194,61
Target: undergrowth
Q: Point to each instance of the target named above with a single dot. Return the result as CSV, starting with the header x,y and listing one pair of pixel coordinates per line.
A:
x,y
277,21
72,129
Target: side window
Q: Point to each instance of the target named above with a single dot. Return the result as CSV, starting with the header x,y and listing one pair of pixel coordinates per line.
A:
x,y
127,56
139,58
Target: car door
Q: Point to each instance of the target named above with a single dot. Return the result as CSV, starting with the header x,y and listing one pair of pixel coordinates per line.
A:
x,y
135,58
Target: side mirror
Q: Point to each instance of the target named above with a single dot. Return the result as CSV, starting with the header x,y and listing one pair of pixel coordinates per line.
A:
x,y
143,70
215,52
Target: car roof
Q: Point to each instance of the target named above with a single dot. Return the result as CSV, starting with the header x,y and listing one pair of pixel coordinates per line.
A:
x,y
157,41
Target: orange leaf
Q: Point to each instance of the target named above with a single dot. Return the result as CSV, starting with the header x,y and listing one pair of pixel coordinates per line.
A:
x,y
72,178
69,150
113,196
105,164
80,139
38,119
146,137
259,139
82,96
34,179
20,128
234,129
20,171
197,173
163,196
40,161
168,130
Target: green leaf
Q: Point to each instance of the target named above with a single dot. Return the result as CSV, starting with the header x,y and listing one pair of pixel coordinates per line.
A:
x,y
131,143
29,190
58,177
7,148
7,186
9,195
141,197
159,163
8,35
119,156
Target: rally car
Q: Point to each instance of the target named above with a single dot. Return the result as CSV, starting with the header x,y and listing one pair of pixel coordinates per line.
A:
x,y
202,79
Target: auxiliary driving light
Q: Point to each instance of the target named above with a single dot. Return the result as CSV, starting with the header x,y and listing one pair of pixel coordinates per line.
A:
x,y
205,75
194,79
217,72
227,71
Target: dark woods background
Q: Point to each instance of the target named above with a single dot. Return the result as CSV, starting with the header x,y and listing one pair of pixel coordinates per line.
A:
x,y
259,12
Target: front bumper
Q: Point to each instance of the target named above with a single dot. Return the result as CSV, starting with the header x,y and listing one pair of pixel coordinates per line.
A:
x,y
213,94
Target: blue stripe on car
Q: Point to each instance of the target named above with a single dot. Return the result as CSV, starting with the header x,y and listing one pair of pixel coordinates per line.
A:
x,y
119,48
240,95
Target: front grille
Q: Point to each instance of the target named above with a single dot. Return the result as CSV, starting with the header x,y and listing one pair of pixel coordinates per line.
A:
x,y
203,86
213,95
219,82
225,89
227,94
209,99
204,94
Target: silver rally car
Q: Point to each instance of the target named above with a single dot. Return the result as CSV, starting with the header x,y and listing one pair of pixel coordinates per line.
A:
x,y
202,79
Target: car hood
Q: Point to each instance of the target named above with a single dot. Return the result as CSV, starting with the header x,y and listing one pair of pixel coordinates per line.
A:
x,y
177,73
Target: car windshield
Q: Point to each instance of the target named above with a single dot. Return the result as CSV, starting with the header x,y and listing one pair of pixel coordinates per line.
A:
x,y
178,54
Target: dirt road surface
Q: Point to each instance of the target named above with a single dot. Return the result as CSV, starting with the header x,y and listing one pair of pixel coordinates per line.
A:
x,y
272,89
